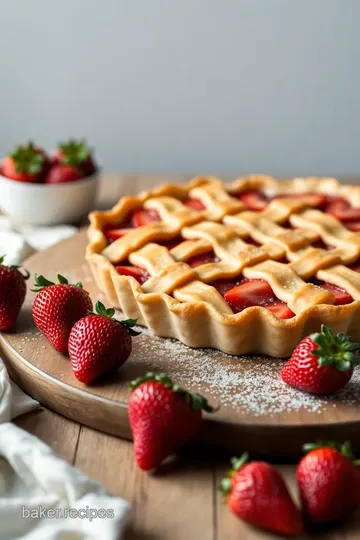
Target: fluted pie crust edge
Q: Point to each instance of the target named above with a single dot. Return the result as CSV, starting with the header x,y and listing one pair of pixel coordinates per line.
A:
x,y
255,330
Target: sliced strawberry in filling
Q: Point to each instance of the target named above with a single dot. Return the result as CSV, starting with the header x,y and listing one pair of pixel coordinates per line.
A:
x,y
144,217
196,204
254,200
281,310
138,218
140,274
342,210
355,226
342,297
249,293
256,292
204,258
114,234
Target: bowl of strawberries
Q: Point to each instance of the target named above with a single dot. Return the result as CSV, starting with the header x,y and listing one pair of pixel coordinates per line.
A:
x,y
41,189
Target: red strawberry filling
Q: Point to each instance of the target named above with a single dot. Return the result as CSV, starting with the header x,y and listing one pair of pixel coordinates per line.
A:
x,y
254,200
249,293
321,245
204,258
355,266
135,219
140,274
196,204
344,212
342,297
281,310
257,201
144,217
112,234
312,199
252,242
244,293
224,285
170,244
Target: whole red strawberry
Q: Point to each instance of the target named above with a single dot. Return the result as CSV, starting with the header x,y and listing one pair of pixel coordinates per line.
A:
x,y
163,416
257,493
26,163
57,307
12,294
329,482
61,174
322,363
77,154
98,344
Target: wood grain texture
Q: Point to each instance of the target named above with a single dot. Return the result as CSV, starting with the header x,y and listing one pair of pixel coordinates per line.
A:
x,y
228,527
47,376
173,505
55,430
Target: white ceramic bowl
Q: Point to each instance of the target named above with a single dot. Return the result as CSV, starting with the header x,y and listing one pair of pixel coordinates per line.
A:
x,y
47,204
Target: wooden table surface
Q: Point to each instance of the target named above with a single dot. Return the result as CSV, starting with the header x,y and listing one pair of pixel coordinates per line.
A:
x,y
181,501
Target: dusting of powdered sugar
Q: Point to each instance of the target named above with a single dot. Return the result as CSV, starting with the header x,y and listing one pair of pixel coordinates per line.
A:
x,y
246,384
255,388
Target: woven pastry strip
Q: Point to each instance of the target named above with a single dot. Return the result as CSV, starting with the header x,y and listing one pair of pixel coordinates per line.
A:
x,y
287,244
170,272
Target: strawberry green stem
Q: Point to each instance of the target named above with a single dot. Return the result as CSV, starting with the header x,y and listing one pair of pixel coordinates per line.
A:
x,y
41,282
336,350
102,311
26,159
197,401
345,448
25,274
236,464
74,152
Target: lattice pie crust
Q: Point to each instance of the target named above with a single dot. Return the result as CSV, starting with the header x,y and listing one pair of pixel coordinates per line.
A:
x,y
177,300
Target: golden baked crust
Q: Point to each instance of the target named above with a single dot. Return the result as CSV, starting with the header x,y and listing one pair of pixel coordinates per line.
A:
x,y
177,301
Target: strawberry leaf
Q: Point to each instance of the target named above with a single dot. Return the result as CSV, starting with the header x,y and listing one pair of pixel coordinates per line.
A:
x,y
343,448
335,350
41,282
27,159
74,152
128,324
25,274
237,463
225,486
346,450
100,309
129,327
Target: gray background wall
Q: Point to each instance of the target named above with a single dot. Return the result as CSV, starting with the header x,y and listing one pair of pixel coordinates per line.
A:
x,y
186,86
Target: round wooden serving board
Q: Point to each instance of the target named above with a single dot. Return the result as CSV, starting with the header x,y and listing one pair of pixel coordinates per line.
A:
x,y
258,412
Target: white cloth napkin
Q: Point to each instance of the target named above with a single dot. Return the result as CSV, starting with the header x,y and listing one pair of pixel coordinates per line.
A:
x,y
19,245
41,496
